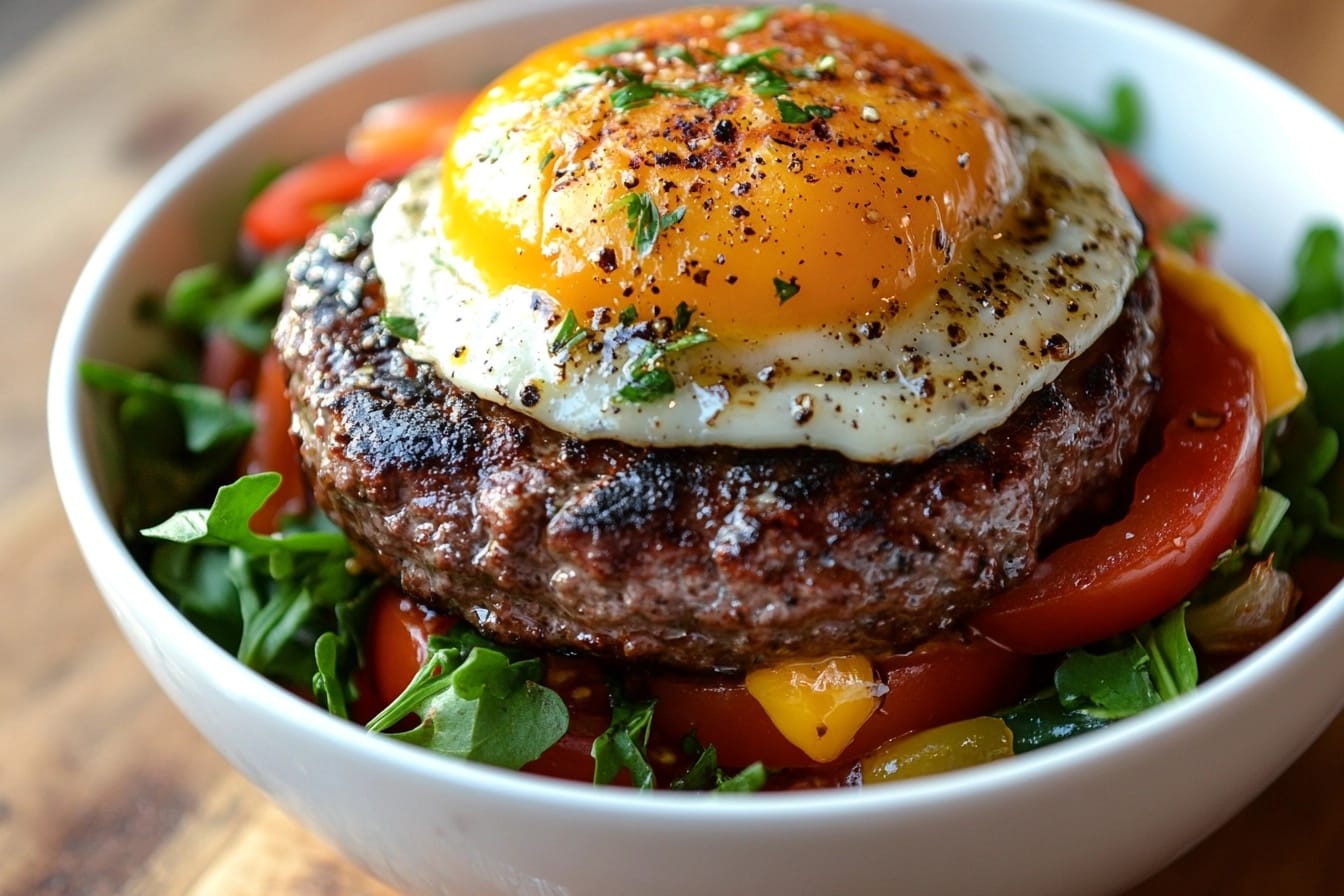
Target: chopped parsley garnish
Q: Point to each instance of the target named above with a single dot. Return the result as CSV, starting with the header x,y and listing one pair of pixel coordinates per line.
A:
x,y
568,334
753,19
645,221
704,95
825,65
632,91
647,377
683,318
612,47
792,113
633,95
764,79
628,315
400,327
576,80
785,290
676,51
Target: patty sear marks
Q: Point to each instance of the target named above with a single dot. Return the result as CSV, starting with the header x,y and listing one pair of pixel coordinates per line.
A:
x,y
701,558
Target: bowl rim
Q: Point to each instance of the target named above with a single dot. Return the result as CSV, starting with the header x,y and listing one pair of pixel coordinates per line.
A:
x,y
100,543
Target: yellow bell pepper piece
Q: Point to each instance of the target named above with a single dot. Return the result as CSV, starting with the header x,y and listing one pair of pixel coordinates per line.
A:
x,y
942,749
818,706
1244,320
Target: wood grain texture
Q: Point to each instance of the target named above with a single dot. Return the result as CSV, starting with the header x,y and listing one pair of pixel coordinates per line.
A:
x,y
104,788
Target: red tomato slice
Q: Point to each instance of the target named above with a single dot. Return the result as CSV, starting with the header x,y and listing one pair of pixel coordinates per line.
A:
x,y
228,365
272,448
397,645
1158,209
1191,501
391,138
407,126
397,642
300,200
942,681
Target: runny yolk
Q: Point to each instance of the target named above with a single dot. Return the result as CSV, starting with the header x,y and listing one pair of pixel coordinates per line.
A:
x,y
821,168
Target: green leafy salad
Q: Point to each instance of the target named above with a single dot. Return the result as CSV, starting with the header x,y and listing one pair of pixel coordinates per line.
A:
x,y
294,606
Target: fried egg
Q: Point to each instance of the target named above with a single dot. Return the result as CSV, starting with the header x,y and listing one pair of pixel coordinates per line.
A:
x,y
758,228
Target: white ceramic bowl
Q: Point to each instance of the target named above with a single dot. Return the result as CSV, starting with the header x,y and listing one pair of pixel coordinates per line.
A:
x,y
1088,816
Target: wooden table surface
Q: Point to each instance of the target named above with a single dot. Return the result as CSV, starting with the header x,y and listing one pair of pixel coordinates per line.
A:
x,y
104,788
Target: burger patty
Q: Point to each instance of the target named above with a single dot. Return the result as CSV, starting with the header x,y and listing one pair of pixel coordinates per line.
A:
x,y
701,558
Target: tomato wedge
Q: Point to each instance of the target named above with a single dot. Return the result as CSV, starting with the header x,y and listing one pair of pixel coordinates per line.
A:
x,y
1159,211
300,200
228,365
392,137
1191,501
396,644
941,681
409,125
271,448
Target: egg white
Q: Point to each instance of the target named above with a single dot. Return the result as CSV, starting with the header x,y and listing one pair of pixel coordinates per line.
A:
x,y
1012,309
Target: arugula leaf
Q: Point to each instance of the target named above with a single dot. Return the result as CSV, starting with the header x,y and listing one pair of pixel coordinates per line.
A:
x,y
208,417
1153,664
329,685
1319,283
1121,125
1186,233
749,780
207,297
1172,664
1303,462
625,743
1270,509
705,774
478,702
165,443
1111,685
269,599
1042,721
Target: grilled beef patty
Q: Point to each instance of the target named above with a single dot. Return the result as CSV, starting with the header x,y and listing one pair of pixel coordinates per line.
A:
x,y
703,558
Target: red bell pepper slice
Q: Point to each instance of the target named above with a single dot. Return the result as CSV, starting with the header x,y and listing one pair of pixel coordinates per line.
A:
x,y
1191,501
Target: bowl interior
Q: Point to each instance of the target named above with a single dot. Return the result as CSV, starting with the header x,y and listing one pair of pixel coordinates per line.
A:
x,y
1070,51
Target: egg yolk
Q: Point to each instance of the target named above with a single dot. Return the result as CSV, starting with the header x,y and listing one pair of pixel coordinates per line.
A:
x,y
776,171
